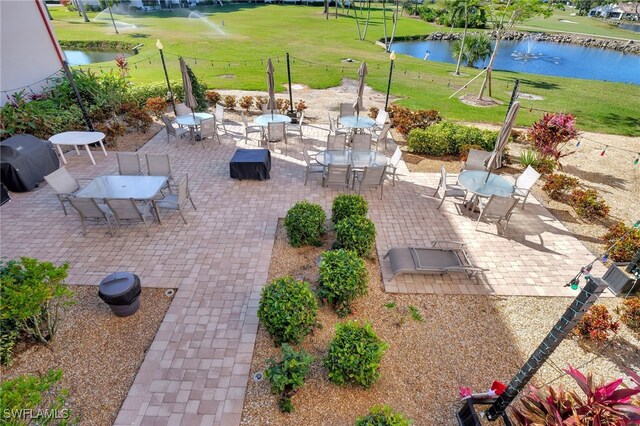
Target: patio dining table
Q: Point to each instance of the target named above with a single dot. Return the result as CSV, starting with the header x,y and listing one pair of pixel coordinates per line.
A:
x,y
264,119
192,121
136,187
356,158
476,182
357,122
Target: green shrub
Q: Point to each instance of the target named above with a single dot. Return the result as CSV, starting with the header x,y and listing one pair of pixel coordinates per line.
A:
x,y
626,240
343,278
245,102
557,185
139,93
596,324
288,309
447,138
9,334
213,97
346,205
404,120
631,313
546,166
37,399
354,355
383,416
287,375
529,157
230,102
198,89
33,294
587,204
156,106
305,224
356,233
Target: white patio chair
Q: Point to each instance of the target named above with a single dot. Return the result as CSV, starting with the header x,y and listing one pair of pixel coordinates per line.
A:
x,y
296,129
89,209
381,119
208,130
64,185
177,201
312,165
346,110
337,130
127,209
384,135
219,114
128,164
371,177
172,131
361,142
336,142
449,189
337,175
392,165
276,132
476,160
500,208
251,128
525,182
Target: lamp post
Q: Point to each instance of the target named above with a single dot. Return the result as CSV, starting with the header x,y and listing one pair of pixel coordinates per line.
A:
x,y
166,76
392,57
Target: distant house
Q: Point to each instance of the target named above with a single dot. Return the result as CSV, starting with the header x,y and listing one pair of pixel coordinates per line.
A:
x,y
621,11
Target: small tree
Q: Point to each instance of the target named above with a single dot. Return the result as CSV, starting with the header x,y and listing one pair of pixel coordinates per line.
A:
x,y
474,48
199,90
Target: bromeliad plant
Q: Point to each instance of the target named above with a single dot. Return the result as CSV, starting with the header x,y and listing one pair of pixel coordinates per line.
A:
x,y
604,404
287,375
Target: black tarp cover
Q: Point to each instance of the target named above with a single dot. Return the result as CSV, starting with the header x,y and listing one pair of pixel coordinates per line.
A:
x,y
24,162
250,164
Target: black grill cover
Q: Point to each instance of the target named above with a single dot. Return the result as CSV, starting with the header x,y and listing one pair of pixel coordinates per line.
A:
x,y
24,162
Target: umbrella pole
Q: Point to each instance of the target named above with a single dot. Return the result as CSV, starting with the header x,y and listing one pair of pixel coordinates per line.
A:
x,y
290,93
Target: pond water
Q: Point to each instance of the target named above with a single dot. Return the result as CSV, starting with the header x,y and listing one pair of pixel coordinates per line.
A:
x,y
85,57
562,60
630,27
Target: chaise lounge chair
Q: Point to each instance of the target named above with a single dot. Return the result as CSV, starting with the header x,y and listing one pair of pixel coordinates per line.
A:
x,y
443,257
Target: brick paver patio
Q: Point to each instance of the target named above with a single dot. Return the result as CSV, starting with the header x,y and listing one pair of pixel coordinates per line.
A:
x,y
196,370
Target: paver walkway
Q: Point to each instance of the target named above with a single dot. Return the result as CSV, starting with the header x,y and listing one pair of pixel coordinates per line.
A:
x,y
196,370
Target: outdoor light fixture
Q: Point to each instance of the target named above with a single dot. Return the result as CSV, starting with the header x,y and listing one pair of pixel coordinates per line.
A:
x,y
166,76
392,58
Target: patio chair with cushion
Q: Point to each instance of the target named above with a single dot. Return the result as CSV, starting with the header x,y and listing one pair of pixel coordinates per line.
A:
x,y
250,128
500,208
219,114
63,184
276,132
361,142
177,201
443,257
127,209
392,166
346,110
312,165
371,177
336,142
172,131
476,160
296,129
208,130
128,164
337,175
449,189
525,182
90,209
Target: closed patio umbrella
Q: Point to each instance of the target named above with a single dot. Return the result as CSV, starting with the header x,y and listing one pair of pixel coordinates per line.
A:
x,y
495,161
362,72
189,99
271,87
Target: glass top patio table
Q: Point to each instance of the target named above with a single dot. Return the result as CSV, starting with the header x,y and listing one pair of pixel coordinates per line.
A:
x,y
474,181
264,119
355,122
357,159
136,187
188,119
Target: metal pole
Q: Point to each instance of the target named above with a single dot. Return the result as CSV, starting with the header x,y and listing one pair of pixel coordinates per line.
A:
x,y
290,93
585,299
166,76
85,114
514,94
386,101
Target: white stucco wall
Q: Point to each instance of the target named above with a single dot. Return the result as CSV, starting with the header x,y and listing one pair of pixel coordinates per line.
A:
x,y
26,52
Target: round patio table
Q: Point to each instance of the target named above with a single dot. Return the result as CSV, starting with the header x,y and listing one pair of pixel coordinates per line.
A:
x,y
476,182
190,121
355,122
78,139
264,119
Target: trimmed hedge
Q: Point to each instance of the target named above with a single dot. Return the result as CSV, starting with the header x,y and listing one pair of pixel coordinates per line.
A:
x,y
305,224
343,277
447,138
356,233
346,205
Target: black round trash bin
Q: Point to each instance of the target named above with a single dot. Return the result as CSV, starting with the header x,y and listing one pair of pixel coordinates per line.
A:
x,y
121,291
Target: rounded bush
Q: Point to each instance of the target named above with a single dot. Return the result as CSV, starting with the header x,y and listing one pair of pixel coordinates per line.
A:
x,y
383,415
356,233
305,224
343,278
624,242
448,138
354,355
288,309
347,205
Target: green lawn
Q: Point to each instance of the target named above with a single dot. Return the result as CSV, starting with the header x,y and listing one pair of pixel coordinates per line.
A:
x,y
236,60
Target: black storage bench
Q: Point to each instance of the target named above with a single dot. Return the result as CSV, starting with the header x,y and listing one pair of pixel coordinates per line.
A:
x,y
250,164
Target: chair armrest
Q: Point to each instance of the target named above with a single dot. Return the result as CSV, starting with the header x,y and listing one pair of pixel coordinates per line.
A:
x,y
62,196
445,243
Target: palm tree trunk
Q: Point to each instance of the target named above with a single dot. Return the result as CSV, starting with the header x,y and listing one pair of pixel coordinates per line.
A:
x,y
326,8
384,22
464,35
395,23
355,14
487,76
336,9
366,25
112,21
84,12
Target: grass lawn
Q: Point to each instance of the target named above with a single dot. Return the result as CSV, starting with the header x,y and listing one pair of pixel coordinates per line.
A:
x,y
252,33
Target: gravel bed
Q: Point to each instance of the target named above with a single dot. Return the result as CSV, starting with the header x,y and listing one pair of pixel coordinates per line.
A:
x,y
98,352
463,340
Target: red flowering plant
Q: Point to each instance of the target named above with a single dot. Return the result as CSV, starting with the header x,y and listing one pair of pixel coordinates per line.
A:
x,y
552,131
604,405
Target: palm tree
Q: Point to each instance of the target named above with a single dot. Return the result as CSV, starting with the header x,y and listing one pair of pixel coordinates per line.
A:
x,y
476,48
466,8
109,4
